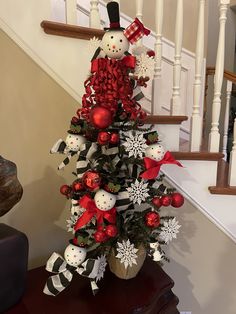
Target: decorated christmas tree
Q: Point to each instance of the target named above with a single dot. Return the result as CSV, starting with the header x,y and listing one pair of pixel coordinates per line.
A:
x,y
117,193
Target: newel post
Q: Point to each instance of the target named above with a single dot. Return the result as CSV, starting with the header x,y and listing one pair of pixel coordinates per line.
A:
x,y
214,137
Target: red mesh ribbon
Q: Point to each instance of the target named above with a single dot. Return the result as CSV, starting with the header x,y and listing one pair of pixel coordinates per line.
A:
x,y
91,211
153,166
109,84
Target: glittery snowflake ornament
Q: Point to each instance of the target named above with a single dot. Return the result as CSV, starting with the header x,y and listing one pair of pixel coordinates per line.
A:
x,y
135,144
127,253
102,267
144,66
170,230
138,191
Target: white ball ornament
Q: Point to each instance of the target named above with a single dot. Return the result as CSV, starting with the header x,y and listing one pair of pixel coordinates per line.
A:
x,y
74,141
155,151
75,255
104,200
114,44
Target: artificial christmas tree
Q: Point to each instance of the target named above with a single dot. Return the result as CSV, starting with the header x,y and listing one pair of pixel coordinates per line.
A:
x,y
117,194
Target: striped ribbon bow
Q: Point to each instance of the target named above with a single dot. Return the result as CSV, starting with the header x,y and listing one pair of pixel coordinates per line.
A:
x,y
64,274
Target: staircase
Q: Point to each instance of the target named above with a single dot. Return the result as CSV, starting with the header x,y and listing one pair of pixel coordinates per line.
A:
x,y
63,50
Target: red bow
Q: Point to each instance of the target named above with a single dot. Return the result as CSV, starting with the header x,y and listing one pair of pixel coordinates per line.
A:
x,y
104,63
153,166
91,211
141,27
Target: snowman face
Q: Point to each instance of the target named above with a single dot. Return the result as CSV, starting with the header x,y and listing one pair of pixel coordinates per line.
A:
x,y
104,200
155,151
74,141
114,44
74,255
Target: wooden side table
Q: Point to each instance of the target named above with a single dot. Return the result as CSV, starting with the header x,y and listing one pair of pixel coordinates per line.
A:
x,y
148,293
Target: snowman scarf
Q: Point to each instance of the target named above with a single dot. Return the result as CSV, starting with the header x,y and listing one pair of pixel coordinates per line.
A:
x,y
91,211
64,274
85,154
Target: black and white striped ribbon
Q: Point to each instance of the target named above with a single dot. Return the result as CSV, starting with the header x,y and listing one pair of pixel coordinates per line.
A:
x,y
85,154
58,147
122,200
64,274
137,93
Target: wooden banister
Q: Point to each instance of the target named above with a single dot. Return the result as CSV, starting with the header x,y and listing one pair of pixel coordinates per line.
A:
x,y
230,76
73,31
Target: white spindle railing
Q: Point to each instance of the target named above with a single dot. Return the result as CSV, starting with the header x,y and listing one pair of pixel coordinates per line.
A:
x,y
232,162
71,12
156,84
176,99
226,122
196,119
139,15
214,138
94,17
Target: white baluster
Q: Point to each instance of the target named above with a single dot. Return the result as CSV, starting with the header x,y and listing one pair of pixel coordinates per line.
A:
x,y
94,18
196,119
226,122
232,162
139,15
176,100
214,137
156,84
71,12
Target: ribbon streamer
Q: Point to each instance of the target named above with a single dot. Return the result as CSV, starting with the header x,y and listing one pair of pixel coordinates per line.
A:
x,y
86,152
64,274
153,166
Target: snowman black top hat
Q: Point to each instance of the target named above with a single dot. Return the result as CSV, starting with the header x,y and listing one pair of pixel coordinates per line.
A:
x,y
114,16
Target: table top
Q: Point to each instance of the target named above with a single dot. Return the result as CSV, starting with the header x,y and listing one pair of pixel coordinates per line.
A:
x,y
142,294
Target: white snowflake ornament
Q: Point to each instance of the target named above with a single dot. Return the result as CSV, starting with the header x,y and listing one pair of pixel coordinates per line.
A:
x,y
74,141
104,200
144,66
135,144
138,191
127,253
170,230
102,267
155,151
75,255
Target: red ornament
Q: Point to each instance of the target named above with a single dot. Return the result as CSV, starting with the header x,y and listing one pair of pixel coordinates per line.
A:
x,y
157,201
100,117
77,186
152,219
166,200
103,138
91,180
100,236
177,200
151,53
115,138
65,189
111,231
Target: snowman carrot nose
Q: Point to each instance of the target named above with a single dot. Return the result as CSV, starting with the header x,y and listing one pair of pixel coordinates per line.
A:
x,y
113,46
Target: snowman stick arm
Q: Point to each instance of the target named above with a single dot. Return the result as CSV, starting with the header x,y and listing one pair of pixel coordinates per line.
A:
x,y
96,54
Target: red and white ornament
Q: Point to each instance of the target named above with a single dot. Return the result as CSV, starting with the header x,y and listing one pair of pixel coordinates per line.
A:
x,y
74,142
155,151
104,200
75,255
115,138
65,190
